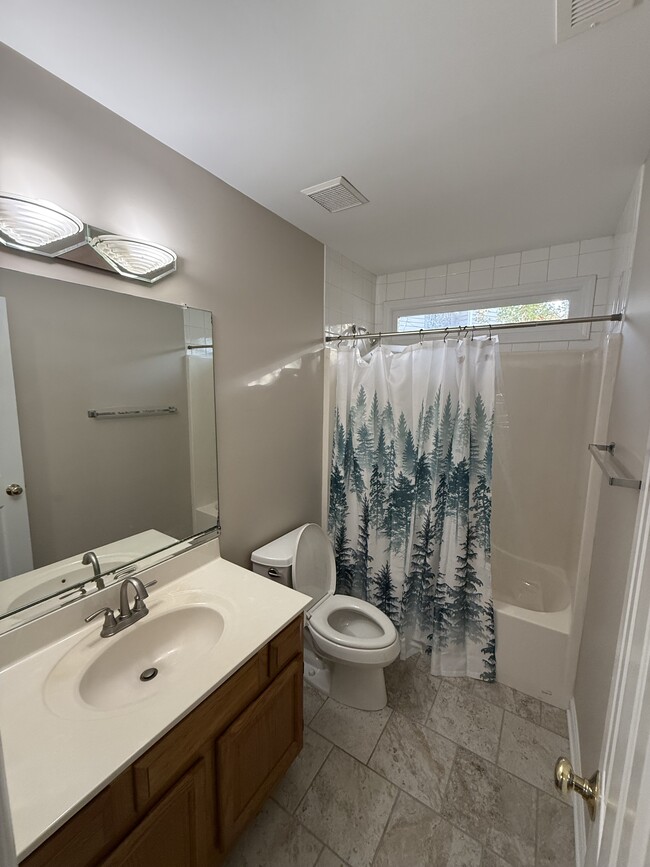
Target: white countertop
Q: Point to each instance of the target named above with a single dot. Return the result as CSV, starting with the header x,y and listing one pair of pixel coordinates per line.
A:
x,y
55,765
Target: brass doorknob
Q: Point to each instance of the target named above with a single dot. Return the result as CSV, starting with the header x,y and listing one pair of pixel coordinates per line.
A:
x,y
566,780
14,490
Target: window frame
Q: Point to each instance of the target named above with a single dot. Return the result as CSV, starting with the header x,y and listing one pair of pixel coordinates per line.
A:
x,y
580,292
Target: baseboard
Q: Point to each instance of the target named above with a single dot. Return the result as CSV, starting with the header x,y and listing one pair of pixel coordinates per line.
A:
x,y
580,831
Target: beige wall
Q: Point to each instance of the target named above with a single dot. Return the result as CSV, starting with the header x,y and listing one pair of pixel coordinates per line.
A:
x,y
89,482
261,277
628,428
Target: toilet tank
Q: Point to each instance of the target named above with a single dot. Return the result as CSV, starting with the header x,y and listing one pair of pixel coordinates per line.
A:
x,y
275,559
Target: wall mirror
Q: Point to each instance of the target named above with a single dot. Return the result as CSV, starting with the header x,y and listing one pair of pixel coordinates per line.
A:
x,y
107,438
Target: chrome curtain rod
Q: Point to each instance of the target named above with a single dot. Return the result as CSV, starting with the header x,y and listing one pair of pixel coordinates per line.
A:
x,y
470,329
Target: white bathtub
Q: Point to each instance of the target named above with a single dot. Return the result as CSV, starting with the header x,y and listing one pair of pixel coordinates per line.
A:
x,y
532,610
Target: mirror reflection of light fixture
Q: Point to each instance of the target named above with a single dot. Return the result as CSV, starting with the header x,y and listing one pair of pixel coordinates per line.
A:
x,y
35,226
139,260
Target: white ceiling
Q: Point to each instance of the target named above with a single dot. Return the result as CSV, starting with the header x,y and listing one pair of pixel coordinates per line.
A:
x,y
468,129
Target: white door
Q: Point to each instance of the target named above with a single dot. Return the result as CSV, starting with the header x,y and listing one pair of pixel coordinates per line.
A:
x,y
15,541
620,835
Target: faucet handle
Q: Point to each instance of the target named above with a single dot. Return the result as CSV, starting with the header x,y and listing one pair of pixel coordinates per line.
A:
x,y
109,618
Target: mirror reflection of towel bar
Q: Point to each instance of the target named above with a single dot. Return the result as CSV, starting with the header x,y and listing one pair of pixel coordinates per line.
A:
x,y
616,474
131,412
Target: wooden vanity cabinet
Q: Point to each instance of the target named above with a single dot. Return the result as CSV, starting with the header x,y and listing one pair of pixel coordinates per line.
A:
x,y
187,799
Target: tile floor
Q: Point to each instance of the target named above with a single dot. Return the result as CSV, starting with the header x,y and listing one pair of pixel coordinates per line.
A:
x,y
453,773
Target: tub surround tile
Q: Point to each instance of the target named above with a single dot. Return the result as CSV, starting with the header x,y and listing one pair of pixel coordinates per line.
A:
x,y
555,841
313,700
411,691
415,758
561,251
275,838
507,260
291,789
555,719
537,255
493,807
467,720
355,731
347,807
509,699
529,752
418,837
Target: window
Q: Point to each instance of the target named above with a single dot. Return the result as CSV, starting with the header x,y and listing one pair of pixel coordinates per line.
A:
x,y
560,299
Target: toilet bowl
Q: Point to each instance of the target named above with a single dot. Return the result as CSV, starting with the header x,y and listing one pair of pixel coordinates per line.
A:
x,y
350,640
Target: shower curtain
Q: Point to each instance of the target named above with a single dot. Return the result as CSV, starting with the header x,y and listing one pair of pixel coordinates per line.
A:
x,y
410,498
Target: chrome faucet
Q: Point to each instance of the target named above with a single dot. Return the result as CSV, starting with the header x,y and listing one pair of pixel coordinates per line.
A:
x,y
127,616
91,559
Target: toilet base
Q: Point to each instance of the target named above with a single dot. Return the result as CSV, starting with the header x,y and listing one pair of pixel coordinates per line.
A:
x,y
363,687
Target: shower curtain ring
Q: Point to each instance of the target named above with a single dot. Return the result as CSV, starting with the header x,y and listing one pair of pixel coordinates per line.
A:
x,y
489,331
420,337
444,339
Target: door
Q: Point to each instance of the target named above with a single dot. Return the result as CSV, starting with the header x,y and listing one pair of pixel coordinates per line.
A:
x,y
620,835
15,541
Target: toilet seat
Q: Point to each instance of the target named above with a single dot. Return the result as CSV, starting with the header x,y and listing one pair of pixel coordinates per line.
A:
x,y
350,622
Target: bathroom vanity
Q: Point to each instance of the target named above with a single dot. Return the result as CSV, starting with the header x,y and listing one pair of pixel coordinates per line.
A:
x,y
170,774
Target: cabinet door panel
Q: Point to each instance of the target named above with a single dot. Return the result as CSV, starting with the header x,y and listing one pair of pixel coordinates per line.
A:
x,y
173,833
256,751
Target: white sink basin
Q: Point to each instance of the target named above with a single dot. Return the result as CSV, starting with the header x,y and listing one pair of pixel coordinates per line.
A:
x,y
100,676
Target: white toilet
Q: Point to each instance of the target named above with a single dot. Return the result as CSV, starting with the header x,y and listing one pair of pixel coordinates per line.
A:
x,y
348,642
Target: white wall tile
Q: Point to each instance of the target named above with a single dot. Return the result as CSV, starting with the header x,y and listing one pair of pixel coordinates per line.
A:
x,y
537,255
382,279
550,345
380,293
436,285
602,292
507,260
479,280
458,267
414,288
533,272
507,276
525,347
436,271
481,264
399,277
595,263
457,283
395,291
595,245
560,251
567,266
420,274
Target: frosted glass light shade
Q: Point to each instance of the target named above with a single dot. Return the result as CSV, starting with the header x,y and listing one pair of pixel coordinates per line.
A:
x,y
32,224
141,260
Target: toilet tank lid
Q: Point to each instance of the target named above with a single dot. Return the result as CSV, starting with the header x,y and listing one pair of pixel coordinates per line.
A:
x,y
279,552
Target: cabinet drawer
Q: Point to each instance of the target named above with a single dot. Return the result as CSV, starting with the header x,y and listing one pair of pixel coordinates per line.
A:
x,y
285,646
162,764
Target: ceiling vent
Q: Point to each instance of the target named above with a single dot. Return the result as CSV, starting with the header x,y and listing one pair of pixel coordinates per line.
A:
x,y
576,16
336,195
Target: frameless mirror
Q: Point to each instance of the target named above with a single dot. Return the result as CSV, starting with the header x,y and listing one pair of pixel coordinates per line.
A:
x,y
107,438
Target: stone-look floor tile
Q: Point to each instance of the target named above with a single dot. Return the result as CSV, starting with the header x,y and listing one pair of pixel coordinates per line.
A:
x,y
415,758
493,807
467,720
275,838
491,860
313,700
355,731
329,859
555,838
509,699
291,789
410,691
347,807
529,752
418,837
555,719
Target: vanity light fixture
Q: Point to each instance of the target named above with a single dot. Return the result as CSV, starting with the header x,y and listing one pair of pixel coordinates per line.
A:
x,y
36,226
130,257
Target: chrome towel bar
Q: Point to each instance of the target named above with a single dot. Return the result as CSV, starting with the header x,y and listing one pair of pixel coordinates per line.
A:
x,y
616,474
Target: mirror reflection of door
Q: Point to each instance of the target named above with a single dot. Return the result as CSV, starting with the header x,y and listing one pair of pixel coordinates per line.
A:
x,y
15,541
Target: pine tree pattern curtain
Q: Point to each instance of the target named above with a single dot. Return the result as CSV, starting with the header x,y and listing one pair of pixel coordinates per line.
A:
x,y
410,494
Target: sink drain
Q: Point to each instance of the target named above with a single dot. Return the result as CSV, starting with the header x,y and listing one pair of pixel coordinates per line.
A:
x,y
149,674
